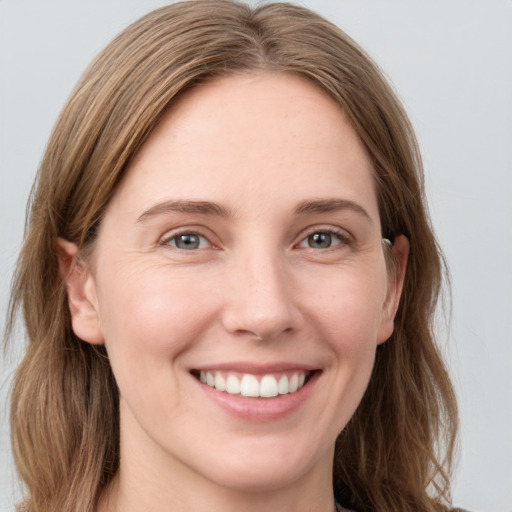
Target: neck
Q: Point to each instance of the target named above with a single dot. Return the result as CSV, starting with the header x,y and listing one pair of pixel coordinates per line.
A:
x,y
154,482
120,498
152,479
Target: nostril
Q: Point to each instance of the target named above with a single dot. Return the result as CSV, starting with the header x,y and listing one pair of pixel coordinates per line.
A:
x,y
260,303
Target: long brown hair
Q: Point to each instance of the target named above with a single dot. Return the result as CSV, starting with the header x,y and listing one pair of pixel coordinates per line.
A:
x,y
396,452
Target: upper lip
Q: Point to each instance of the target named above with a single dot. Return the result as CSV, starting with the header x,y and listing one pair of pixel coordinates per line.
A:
x,y
256,368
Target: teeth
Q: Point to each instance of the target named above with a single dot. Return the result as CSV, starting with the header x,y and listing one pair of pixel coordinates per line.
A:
x,y
220,382
282,387
268,386
232,385
249,385
292,386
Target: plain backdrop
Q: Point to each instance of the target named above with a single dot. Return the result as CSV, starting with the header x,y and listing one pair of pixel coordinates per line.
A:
x,y
450,62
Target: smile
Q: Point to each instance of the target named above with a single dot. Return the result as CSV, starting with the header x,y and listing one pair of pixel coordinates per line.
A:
x,y
250,385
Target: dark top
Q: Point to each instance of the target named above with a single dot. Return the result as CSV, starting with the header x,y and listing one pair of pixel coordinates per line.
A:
x,y
339,508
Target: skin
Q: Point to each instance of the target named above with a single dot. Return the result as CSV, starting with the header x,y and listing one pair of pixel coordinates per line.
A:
x,y
254,291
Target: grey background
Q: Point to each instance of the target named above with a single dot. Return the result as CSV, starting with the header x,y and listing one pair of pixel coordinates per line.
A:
x,y
450,62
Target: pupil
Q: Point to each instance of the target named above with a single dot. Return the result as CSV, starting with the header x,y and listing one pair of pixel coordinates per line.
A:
x,y
320,240
187,241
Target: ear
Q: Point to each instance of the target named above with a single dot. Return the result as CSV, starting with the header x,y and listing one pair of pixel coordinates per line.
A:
x,y
399,256
81,291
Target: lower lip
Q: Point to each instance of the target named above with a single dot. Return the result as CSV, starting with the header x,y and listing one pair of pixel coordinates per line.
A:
x,y
260,409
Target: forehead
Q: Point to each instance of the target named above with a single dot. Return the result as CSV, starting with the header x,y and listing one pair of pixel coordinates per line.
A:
x,y
240,135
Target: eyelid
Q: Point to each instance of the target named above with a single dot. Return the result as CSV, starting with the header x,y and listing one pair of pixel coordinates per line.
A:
x,y
186,230
345,237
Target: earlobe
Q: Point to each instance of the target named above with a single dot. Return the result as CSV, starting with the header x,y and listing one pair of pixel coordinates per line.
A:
x,y
81,293
400,254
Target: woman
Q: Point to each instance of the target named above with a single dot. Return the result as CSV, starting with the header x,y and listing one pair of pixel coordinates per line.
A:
x,y
229,280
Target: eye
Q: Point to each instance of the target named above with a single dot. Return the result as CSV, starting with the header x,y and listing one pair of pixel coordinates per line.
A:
x,y
323,240
188,241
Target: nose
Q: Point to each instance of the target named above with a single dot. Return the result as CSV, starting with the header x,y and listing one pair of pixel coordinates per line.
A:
x,y
261,300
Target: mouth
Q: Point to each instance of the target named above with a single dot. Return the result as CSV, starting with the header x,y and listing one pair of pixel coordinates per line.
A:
x,y
269,385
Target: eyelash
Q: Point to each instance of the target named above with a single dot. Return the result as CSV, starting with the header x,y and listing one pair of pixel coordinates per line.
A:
x,y
174,236
344,239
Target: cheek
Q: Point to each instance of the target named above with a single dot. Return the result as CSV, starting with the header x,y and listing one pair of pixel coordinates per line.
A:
x,y
350,306
347,318
150,317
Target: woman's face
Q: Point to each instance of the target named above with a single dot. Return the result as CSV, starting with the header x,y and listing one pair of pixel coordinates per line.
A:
x,y
239,284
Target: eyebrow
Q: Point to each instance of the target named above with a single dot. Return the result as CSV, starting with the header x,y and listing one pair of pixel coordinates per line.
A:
x,y
331,205
190,207
211,208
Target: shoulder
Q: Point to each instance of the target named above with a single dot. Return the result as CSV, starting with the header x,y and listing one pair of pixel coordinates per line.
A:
x,y
339,508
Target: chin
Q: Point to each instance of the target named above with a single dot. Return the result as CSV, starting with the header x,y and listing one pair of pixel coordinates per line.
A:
x,y
268,466
255,478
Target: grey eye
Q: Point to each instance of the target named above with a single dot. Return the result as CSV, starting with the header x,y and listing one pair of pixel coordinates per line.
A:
x,y
321,240
188,241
